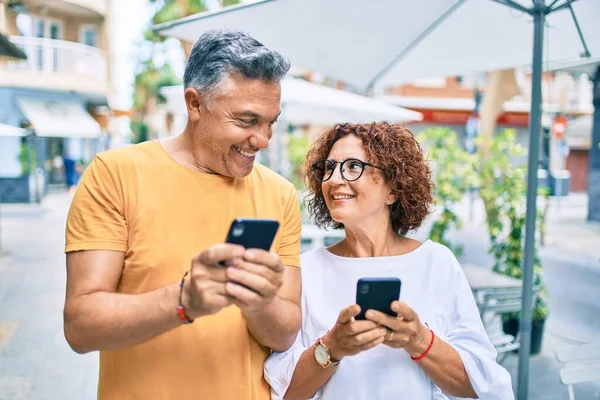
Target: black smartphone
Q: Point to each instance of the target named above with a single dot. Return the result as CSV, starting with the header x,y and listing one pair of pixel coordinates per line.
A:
x,y
377,294
252,233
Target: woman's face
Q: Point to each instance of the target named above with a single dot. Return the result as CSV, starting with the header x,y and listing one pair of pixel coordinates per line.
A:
x,y
354,203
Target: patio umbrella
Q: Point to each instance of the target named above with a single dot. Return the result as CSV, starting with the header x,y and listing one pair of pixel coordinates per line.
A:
x,y
377,43
305,103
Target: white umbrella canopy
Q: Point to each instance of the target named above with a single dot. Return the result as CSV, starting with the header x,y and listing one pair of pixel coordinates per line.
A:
x,y
304,103
388,42
309,103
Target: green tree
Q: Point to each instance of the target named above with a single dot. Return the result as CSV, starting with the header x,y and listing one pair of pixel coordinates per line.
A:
x,y
505,196
169,10
146,93
298,146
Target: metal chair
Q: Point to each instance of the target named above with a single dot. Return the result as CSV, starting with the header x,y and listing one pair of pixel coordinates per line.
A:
x,y
493,302
580,364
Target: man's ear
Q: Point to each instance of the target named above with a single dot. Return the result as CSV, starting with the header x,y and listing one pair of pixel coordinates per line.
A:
x,y
194,104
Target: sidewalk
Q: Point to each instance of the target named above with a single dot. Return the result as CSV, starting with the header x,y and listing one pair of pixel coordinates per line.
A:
x,y
567,220
36,362
567,227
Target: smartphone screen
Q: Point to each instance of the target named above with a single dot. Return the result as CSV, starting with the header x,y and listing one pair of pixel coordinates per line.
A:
x,y
377,294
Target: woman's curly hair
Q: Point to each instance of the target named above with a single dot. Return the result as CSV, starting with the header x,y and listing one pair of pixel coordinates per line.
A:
x,y
391,147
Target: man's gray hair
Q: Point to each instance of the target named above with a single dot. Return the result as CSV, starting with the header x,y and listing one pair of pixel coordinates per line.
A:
x,y
220,53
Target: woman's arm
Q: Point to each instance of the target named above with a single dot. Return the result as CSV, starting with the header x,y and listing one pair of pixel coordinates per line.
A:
x,y
441,363
309,376
303,378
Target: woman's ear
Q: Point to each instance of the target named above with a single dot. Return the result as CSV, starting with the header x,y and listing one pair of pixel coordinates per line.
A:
x,y
391,199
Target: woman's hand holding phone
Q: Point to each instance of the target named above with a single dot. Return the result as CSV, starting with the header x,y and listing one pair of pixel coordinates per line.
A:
x,y
405,331
349,336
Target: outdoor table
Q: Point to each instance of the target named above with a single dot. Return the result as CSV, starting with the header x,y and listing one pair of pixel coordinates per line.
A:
x,y
481,278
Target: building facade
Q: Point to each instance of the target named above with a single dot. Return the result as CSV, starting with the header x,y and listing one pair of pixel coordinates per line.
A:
x,y
60,93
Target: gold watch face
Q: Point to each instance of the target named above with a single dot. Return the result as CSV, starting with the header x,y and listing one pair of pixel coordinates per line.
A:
x,y
321,354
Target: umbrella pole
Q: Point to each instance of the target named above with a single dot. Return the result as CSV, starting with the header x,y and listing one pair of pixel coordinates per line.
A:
x,y
535,124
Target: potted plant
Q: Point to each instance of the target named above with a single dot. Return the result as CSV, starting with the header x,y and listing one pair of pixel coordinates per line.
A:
x,y
504,197
454,174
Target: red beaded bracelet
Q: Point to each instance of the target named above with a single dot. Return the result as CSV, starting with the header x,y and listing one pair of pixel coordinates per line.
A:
x,y
180,309
427,349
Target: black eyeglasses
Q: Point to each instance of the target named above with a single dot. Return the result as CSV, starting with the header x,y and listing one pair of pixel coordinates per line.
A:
x,y
351,169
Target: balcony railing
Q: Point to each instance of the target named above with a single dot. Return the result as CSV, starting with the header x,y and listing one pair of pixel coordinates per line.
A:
x,y
58,56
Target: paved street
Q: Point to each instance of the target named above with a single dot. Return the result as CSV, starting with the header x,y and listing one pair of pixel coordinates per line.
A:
x,y
35,360
36,363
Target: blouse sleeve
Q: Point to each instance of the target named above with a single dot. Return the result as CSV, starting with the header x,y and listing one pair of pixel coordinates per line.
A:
x,y
279,368
466,334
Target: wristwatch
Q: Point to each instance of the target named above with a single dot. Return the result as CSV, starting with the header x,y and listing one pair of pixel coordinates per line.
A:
x,y
323,356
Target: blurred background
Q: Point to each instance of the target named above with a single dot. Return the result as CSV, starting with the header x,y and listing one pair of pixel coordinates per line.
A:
x,y
78,77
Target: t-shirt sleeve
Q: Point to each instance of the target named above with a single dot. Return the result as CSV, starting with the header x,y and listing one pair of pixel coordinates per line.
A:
x,y
467,335
96,219
291,229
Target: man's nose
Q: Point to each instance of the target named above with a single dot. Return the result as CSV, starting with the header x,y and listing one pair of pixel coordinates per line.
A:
x,y
261,138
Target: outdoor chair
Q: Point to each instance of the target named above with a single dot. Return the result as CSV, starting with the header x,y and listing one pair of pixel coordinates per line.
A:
x,y
492,302
579,364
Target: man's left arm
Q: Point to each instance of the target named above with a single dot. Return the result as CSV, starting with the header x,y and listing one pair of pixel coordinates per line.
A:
x,y
267,286
276,323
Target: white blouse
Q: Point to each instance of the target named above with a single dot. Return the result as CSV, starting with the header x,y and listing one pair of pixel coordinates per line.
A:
x,y
434,285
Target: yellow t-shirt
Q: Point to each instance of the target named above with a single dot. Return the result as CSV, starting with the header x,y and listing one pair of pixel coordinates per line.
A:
x,y
140,201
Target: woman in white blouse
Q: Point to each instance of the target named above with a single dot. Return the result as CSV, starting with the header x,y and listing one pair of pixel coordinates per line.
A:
x,y
372,181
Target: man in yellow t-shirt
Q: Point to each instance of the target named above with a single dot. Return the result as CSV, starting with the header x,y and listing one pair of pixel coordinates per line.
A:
x,y
145,215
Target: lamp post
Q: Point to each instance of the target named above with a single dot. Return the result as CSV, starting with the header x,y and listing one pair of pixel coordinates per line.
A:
x,y
594,156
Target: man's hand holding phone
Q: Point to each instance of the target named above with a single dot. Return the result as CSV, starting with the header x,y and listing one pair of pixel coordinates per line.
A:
x,y
241,271
205,293
254,279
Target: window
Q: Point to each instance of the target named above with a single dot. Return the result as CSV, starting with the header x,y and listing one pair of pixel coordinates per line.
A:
x,y
88,34
47,56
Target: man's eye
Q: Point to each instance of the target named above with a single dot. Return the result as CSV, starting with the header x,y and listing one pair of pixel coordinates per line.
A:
x,y
247,121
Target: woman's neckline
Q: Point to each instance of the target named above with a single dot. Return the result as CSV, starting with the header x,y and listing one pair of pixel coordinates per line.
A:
x,y
410,253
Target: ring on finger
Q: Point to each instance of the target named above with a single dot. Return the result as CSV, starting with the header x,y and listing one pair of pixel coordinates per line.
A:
x,y
389,335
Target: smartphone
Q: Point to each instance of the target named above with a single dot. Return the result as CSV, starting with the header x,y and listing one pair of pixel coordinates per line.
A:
x,y
377,294
252,233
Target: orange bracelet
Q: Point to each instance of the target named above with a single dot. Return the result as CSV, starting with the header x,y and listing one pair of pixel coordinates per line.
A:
x,y
426,350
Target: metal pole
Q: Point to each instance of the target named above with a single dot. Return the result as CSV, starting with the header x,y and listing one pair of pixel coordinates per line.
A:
x,y
535,125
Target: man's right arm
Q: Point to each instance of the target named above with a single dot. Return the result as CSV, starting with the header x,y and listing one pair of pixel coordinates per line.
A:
x,y
98,318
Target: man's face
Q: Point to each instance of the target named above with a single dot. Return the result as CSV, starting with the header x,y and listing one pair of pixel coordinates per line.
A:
x,y
235,124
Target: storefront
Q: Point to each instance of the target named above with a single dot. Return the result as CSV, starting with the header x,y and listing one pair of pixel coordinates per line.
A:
x,y
61,126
